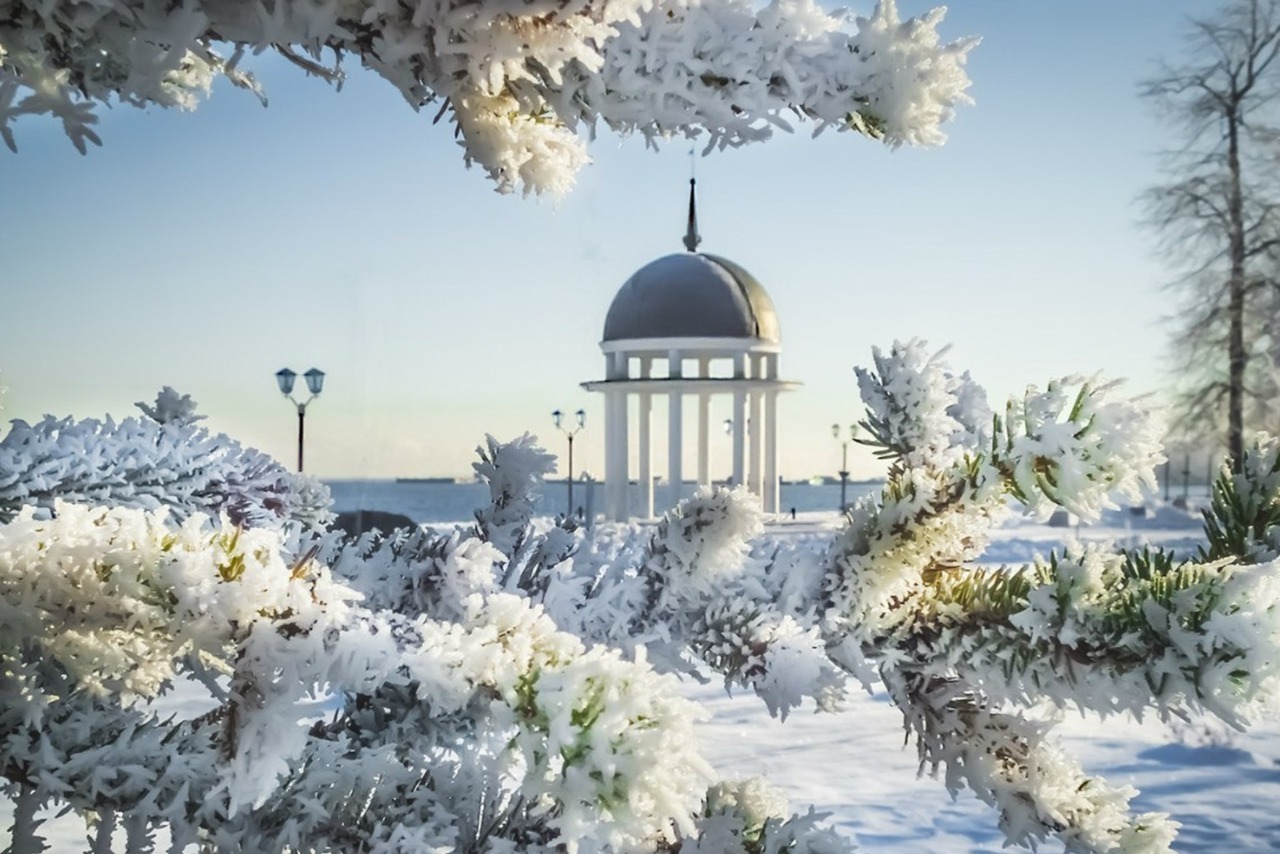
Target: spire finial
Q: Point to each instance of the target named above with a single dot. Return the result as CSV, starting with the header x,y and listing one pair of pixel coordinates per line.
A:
x,y
691,236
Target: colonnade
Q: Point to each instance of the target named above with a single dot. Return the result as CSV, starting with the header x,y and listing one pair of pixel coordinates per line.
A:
x,y
754,387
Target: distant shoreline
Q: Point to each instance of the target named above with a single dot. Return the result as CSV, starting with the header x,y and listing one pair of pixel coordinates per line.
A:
x,y
467,481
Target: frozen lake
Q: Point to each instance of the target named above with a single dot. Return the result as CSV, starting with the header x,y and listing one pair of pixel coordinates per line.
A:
x,y
455,502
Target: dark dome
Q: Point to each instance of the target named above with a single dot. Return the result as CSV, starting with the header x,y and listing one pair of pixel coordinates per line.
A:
x,y
691,296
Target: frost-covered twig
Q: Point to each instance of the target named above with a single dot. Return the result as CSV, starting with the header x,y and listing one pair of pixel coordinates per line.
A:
x,y
1006,760
23,835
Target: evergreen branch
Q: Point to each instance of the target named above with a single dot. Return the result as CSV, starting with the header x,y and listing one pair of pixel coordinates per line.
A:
x,y
1243,518
1007,762
1131,632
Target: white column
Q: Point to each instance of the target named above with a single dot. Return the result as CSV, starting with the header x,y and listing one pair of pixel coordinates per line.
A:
x,y
645,477
616,450
675,430
755,478
704,439
739,421
675,448
610,453
624,459
610,457
772,491
704,425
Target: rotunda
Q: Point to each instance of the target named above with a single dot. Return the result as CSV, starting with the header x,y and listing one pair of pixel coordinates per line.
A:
x,y
690,325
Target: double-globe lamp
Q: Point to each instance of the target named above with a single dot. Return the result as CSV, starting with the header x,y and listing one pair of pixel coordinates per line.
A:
x,y
315,382
569,430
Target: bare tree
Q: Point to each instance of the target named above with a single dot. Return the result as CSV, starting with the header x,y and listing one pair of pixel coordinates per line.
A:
x,y
1216,214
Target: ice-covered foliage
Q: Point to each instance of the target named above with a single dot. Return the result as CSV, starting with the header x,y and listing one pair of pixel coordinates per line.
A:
x,y
162,460
1076,445
522,81
496,709
967,653
114,597
514,471
508,685
743,817
1243,520
170,406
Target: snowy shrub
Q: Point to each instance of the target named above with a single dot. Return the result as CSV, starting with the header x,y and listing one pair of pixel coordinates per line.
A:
x,y
521,82
510,685
163,460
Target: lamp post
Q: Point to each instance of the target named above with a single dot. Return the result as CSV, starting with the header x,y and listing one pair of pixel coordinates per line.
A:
x,y
558,417
315,382
844,460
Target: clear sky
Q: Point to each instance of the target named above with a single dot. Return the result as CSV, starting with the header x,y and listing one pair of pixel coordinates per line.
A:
x,y
207,250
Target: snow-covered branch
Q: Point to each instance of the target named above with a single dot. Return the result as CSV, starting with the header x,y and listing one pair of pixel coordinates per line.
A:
x,y
106,606
521,80
957,645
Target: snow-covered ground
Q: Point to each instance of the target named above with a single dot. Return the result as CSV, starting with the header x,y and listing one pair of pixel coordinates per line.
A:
x,y
855,766
1223,788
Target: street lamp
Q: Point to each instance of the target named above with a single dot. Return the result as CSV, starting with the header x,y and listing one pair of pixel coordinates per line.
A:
x,y
844,460
315,382
558,417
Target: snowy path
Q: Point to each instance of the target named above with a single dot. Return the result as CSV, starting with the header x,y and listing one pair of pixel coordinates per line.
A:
x,y
855,766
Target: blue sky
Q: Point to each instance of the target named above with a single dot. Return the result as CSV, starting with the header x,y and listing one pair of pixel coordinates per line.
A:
x,y
340,230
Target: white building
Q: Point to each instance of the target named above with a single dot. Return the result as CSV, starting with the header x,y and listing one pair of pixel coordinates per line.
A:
x,y
690,326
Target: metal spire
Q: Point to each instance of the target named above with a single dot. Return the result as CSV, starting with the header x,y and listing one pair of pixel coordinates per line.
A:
x,y
691,236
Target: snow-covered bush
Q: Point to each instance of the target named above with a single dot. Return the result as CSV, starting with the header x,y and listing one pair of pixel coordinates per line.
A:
x,y
522,81
510,685
163,460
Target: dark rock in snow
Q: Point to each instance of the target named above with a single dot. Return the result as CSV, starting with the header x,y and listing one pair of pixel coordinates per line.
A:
x,y
357,522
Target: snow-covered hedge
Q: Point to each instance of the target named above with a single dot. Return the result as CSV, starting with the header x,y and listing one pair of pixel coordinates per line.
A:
x,y
163,460
507,686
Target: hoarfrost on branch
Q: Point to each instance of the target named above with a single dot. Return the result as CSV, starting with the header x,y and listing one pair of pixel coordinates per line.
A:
x,y
522,81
